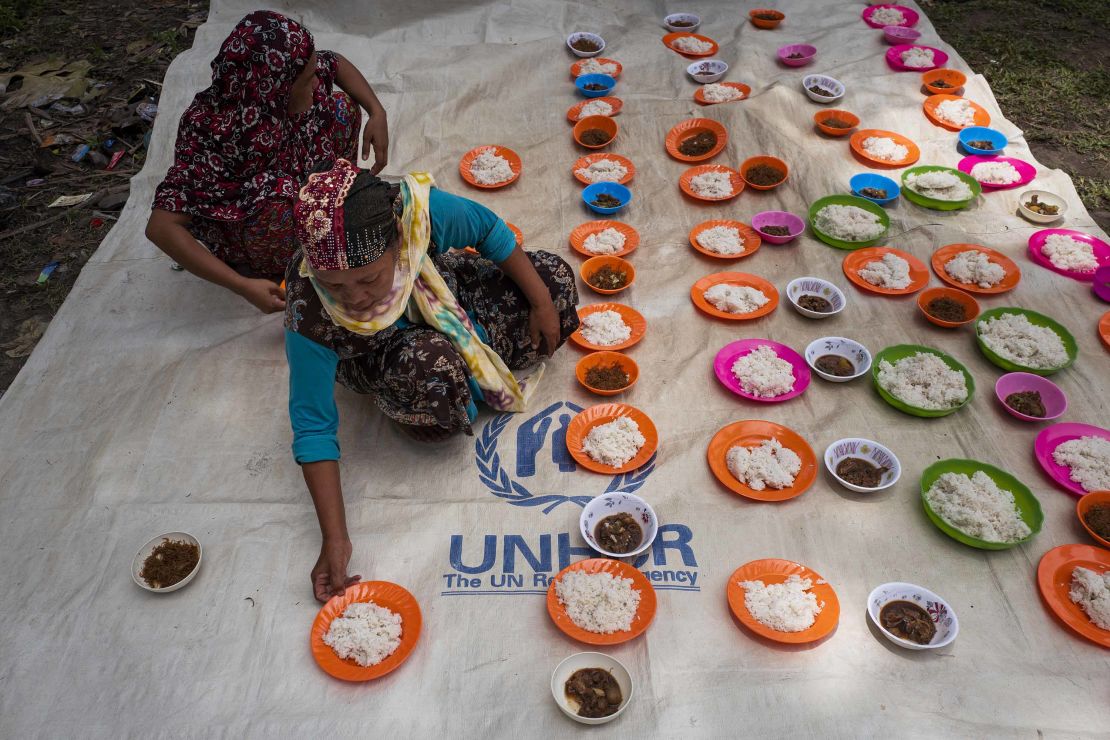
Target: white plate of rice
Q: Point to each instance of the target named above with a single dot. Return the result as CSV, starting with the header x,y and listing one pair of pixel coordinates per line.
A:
x,y
1019,340
921,381
366,632
612,438
783,601
761,370
979,505
490,166
601,601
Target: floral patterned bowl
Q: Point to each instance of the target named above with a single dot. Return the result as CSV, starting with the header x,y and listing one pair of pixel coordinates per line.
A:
x,y
799,287
868,450
849,349
608,504
943,615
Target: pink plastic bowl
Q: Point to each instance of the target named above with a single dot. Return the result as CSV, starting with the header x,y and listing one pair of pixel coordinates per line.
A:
x,y
808,53
900,35
1101,285
778,218
731,352
1054,400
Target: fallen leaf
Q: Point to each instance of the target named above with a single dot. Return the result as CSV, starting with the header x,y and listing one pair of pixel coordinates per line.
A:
x,y
30,331
45,82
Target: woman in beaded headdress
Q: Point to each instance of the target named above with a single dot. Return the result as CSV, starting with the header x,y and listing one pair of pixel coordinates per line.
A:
x,y
245,144
378,301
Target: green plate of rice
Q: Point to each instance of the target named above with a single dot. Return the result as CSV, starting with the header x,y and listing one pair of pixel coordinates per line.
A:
x,y
1029,508
1036,319
936,203
847,200
901,351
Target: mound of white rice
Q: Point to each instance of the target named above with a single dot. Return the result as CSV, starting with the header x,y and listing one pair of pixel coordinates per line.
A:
x,y
722,240
888,17
939,185
366,632
490,168
918,57
715,92
850,223
605,328
712,184
763,373
1012,337
598,602
1088,459
768,465
958,112
1067,253
594,67
603,170
1091,592
606,241
891,272
885,148
972,267
784,607
995,173
595,108
923,381
614,443
977,507
692,45
735,298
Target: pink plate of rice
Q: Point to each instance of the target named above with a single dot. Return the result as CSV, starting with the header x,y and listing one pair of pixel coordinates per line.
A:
x,y
894,58
730,353
1100,249
911,16
1052,437
1024,169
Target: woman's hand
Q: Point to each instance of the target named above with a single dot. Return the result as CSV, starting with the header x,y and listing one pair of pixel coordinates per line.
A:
x,y
329,575
543,325
375,136
265,295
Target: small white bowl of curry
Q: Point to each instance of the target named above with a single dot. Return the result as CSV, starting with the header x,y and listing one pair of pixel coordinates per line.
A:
x,y
591,688
618,525
912,617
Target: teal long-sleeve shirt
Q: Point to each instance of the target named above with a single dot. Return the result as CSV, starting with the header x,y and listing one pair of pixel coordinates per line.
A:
x,y
457,222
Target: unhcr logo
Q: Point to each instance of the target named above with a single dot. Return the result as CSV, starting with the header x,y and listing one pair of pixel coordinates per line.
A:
x,y
527,471
508,564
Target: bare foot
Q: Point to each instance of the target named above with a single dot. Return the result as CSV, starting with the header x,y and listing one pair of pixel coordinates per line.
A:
x,y
425,434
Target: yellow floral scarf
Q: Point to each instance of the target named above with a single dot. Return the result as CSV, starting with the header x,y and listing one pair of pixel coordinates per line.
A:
x,y
420,293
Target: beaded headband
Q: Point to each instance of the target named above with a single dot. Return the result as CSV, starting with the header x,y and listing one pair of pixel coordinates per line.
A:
x,y
320,228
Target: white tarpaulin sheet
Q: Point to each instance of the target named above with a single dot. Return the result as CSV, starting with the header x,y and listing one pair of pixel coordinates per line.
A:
x,y
156,402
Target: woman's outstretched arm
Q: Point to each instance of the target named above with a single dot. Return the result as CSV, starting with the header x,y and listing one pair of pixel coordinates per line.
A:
x,y
167,230
375,134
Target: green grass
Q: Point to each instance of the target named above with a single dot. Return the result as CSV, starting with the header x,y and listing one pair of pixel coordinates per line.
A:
x,y
14,14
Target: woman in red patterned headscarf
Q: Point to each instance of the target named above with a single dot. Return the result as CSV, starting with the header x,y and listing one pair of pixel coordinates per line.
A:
x,y
225,208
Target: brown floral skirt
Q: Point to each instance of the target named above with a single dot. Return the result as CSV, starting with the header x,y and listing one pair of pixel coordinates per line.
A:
x,y
414,374
261,244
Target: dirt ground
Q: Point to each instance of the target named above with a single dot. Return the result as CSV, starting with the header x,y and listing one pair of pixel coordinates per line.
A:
x,y
1047,64
127,44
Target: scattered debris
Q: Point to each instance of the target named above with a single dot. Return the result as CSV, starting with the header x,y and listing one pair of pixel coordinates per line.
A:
x,y
147,111
44,83
47,271
63,201
30,331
